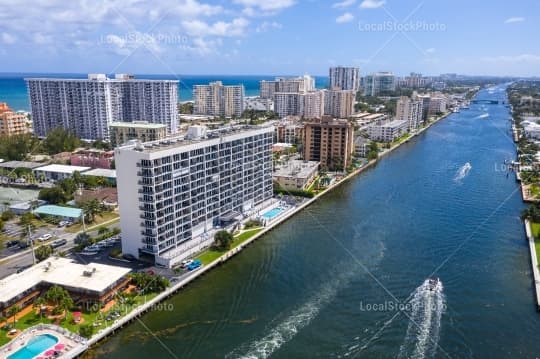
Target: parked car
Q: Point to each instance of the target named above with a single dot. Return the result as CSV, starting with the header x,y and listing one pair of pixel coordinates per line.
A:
x,y
62,224
12,243
45,237
58,243
186,263
196,264
24,244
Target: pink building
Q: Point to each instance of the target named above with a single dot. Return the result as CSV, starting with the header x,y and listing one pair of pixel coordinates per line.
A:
x,y
92,158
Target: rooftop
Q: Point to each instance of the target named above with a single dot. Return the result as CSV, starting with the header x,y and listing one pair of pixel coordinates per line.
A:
x,y
20,164
92,277
101,172
296,169
62,168
59,211
179,141
137,125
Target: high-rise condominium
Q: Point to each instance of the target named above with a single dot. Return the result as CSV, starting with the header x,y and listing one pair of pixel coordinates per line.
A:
x,y
339,103
330,142
215,99
344,78
307,104
409,110
87,106
173,193
379,83
305,83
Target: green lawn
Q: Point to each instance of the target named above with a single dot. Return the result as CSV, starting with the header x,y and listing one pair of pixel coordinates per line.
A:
x,y
535,229
100,219
211,255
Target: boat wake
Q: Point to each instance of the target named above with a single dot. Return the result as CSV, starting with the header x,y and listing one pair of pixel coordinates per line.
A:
x,y
463,172
484,115
427,306
291,325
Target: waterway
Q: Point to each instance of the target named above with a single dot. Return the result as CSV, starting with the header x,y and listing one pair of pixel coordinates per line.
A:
x,y
329,282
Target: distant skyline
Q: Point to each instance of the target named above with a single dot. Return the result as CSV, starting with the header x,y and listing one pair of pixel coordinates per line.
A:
x,y
243,37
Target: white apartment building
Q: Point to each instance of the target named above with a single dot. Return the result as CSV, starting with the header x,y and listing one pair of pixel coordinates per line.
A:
x,y
215,99
309,105
344,78
339,103
437,104
387,131
286,104
268,89
173,193
87,106
409,110
379,82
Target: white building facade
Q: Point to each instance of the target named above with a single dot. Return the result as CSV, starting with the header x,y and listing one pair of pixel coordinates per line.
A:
x,y
215,99
344,78
173,193
87,106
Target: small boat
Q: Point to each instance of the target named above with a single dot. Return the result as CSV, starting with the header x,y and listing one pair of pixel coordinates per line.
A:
x,y
433,283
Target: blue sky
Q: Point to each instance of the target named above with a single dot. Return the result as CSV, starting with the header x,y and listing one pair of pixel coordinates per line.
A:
x,y
270,37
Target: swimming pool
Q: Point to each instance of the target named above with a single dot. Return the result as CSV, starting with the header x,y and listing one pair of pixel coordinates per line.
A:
x,y
271,214
35,346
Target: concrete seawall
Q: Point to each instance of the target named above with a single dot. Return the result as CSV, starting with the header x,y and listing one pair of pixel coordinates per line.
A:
x,y
534,262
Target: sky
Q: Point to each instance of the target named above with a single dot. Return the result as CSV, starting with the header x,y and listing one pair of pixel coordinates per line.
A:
x,y
266,37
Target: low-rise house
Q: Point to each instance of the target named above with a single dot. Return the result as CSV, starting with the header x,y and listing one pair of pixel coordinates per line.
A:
x,y
93,158
387,131
86,283
295,174
57,172
108,174
361,147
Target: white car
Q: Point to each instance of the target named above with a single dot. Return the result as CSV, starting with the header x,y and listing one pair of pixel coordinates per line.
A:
x,y
186,263
45,237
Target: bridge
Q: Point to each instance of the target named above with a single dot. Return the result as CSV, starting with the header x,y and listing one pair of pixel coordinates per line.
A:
x,y
487,102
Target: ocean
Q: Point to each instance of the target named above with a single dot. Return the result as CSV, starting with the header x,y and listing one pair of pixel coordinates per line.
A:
x,y
13,87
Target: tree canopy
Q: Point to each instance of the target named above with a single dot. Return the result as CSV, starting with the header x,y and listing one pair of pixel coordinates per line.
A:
x,y
60,140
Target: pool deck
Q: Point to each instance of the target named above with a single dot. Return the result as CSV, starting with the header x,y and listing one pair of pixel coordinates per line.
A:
x,y
74,344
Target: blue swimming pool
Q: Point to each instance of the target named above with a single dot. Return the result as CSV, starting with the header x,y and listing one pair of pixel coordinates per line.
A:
x,y
35,346
272,213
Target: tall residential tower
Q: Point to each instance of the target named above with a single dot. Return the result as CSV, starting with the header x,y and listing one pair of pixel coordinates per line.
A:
x,y
87,106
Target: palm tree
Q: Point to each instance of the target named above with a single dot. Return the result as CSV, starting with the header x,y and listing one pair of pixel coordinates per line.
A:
x,y
38,303
91,208
12,312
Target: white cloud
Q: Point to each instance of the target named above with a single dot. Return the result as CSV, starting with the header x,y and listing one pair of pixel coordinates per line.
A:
x,y
267,25
343,4
431,50
522,58
237,27
7,39
41,39
263,7
515,19
347,17
372,4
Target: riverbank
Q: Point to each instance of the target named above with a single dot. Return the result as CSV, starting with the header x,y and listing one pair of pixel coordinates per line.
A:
x,y
137,312
534,262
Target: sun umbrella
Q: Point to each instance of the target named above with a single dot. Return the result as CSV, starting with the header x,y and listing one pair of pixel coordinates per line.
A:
x,y
48,353
59,346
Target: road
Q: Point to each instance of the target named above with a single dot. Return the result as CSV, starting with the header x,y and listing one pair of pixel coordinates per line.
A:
x,y
15,259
